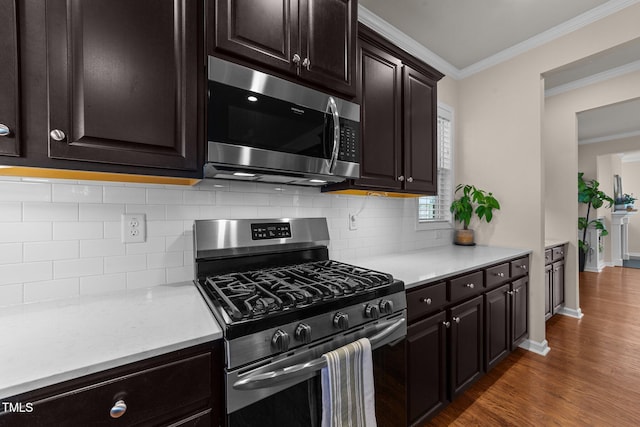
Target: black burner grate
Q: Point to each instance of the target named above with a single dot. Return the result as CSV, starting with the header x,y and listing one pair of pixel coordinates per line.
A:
x,y
258,293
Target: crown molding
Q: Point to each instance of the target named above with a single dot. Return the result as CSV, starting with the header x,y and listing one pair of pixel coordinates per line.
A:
x,y
596,78
405,42
609,137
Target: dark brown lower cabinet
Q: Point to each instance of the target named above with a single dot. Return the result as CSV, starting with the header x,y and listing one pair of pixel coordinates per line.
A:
x,y
548,291
497,320
519,311
427,364
558,285
466,344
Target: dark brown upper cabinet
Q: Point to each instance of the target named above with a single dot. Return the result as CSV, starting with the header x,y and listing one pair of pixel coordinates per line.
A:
x,y
123,82
398,105
313,40
9,88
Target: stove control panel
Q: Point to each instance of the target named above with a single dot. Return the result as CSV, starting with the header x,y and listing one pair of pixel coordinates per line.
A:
x,y
278,230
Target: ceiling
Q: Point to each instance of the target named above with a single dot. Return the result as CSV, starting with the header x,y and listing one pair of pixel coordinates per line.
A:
x,y
461,37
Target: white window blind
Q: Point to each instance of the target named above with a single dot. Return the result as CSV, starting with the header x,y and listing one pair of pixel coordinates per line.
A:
x,y
436,208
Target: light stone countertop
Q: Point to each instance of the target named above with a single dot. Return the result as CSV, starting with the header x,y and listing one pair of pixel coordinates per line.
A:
x,y
550,243
423,266
50,342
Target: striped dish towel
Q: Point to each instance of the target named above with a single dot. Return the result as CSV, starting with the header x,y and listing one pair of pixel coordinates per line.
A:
x,y
348,398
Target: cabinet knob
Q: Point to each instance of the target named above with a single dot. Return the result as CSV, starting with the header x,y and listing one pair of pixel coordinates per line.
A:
x,y
470,285
306,64
4,130
426,300
296,59
446,324
410,179
500,274
456,319
516,290
523,266
57,135
118,409
510,292
401,178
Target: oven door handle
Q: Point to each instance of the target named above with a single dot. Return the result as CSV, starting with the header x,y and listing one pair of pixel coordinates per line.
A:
x,y
268,379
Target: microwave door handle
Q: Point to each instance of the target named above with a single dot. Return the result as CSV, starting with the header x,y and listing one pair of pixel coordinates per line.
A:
x,y
333,108
278,376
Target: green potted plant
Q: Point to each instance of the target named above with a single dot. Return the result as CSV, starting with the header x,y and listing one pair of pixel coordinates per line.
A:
x,y
472,200
590,194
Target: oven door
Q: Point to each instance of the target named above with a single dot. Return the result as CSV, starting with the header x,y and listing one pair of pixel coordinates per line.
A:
x,y
286,390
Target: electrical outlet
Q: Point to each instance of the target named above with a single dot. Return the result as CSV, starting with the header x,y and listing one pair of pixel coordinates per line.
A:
x,y
353,221
134,228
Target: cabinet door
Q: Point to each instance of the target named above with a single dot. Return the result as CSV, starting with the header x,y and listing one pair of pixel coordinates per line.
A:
x,y
380,98
420,150
558,286
328,31
9,107
262,31
466,344
548,291
427,367
123,80
497,321
519,317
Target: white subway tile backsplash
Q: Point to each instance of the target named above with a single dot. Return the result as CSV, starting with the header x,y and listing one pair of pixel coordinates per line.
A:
x,y
78,267
101,212
101,247
50,251
78,193
11,191
77,230
24,231
10,253
11,295
50,211
52,289
63,238
92,285
10,211
25,272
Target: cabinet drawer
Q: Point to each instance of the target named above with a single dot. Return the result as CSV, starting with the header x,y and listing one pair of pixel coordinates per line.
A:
x,y
426,300
151,396
496,275
548,256
465,286
558,253
520,267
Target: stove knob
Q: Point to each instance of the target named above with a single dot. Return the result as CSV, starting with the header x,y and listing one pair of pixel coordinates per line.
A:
x,y
386,306
280,340
341,320
371,311
303,333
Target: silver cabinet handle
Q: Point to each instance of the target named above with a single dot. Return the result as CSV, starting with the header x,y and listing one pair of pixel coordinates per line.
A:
x,y
307,64
118,409
510,292
456,319
410,179
401,178
500,274
4,130
426,300
516,290
446,324
57,135
296,59
523,266
470,285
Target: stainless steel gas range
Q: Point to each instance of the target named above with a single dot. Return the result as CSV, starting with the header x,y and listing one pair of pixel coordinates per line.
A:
x,y
282,303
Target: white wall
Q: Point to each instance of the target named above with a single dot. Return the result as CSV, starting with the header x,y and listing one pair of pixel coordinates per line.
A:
x,y
62,238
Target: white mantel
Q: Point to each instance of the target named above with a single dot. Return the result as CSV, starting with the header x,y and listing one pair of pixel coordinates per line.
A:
x,y
620,236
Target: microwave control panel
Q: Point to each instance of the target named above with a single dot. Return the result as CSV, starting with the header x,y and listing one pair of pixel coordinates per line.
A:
x,y
349,147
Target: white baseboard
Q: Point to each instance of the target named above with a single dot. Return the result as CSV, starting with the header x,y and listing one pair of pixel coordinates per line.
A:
x,y
575,313
594,270
541,348
634,255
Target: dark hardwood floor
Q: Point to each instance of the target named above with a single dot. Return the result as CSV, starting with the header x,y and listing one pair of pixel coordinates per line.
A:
x,y
591,377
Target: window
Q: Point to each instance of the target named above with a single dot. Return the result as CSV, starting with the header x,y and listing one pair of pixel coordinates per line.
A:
x,y
435,209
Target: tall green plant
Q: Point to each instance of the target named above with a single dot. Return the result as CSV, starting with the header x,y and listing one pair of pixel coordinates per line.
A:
x,y
462,208
592,196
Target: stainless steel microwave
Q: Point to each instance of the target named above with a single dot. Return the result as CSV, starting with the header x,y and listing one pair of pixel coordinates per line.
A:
x,y
264,128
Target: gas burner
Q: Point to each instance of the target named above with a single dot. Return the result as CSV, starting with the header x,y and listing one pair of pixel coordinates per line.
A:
x,y
261,293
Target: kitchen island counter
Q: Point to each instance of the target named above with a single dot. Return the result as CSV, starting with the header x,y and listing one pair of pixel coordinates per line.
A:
x,y
423,266
54,341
